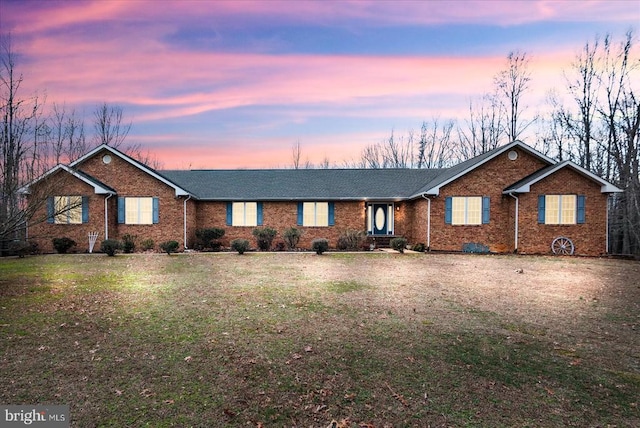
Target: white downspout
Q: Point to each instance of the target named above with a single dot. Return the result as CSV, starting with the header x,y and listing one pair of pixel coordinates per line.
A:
x,y
515,250
106,217
428,221
606,238
185,221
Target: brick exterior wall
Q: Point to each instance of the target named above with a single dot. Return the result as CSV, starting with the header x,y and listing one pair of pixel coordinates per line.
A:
x,y
42,232
489,179
416,215
588,238
410,216
281,216
128,181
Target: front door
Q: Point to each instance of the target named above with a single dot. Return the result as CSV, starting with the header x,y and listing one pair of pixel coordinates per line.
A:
x,y
380,219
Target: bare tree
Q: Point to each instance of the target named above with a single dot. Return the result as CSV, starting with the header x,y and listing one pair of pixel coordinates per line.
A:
x,y
620,113
511,84
435,147
485,128
389,153
296,154
109,126
556,137
325,164
67,134
583,87
20,131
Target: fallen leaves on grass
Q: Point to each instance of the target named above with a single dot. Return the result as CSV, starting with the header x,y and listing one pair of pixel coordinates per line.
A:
x,y
397,396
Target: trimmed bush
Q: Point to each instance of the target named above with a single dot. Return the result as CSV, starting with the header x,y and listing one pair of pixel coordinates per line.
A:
x,y
240,245
169,246
292,237
147,245
320,245
350,240
208,237
264,237
128,243
420,247
398,244
62,245
110,247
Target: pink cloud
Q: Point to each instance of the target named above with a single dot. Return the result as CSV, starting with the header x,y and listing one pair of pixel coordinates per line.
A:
x,y
130,63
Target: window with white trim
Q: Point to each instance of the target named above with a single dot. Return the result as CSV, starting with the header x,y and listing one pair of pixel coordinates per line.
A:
x,y
244,214
561,209
318,214
466,210
67,209
138,210
315,214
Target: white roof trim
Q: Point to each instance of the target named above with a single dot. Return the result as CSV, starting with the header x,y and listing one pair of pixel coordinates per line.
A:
x,y
97,188
435,191
605,186
179,190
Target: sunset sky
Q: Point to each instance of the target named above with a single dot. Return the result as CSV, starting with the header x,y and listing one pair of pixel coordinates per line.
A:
x,y
228,84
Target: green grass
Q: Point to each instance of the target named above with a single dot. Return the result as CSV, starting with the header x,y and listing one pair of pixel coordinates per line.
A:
x,y
301,340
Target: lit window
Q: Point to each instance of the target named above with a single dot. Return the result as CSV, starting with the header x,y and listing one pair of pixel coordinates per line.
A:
x,y
244,214
67,209
139,210
560,209
466,210
315,214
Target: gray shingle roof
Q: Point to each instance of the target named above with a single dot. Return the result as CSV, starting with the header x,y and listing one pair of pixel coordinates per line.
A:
x,y
302,184
328,184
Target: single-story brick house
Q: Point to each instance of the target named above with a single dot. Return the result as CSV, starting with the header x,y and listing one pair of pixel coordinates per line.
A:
x,y
510,199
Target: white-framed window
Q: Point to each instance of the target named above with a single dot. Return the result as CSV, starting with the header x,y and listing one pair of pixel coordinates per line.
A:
x,y
138,210
315,214
244,214
561,209
67,209
318,214
467,210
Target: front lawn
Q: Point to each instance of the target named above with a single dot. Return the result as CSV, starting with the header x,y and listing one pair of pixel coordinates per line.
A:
x,y
300,340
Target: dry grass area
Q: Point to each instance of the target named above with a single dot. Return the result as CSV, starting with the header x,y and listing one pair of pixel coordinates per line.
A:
x,y
299,340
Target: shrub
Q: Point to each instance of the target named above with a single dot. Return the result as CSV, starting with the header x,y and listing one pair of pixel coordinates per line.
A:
x,y
264,237
147,244
419,247
292,237
62,245
320,245
280,246
208,237
110,247
128,243
350,240
240,245
22,248
169,246
398,244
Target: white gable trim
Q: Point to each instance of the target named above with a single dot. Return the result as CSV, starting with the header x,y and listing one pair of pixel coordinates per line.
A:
x,y
179,190
97,188
435,190
605,186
